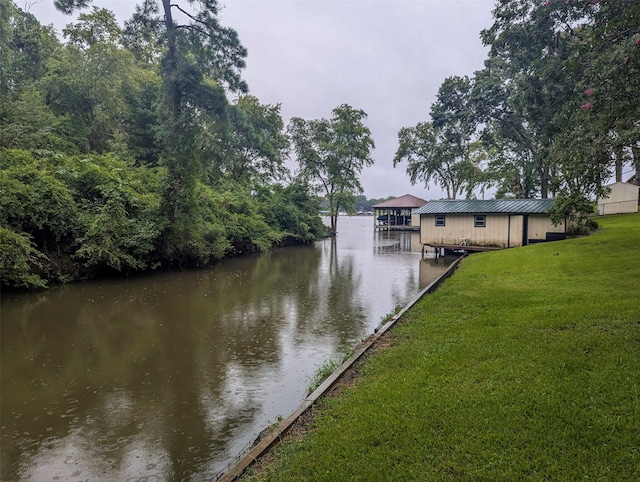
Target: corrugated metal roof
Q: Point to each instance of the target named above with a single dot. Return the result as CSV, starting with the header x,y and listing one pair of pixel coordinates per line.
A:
x,y
504,206
406,201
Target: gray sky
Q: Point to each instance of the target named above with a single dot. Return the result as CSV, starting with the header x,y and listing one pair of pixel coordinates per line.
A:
x,y
387,58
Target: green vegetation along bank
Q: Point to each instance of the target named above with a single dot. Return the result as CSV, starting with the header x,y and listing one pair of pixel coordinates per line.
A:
x,y
135,147
525,365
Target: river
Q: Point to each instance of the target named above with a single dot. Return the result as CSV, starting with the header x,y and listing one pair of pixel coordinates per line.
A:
x,y
168,376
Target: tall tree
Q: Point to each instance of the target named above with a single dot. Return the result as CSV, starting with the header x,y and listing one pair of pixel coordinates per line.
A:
x,y
25,49
98,27
331,154
506,134
201,59
444,150
606,64
569,72
91,85
526,61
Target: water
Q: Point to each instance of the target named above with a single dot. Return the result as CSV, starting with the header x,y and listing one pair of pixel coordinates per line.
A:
x,y
169,376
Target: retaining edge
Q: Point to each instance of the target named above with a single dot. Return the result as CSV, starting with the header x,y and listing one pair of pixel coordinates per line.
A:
x,y
276,434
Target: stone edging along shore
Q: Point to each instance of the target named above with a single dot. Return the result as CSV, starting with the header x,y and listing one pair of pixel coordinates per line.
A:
x,y
276,434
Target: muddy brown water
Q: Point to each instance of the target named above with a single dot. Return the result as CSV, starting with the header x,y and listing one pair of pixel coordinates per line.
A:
x,y
169,376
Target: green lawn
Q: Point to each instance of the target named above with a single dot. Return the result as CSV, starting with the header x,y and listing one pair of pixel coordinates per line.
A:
x,y
524,365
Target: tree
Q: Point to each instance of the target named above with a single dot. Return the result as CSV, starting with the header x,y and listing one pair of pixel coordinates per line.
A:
x,y
252,146
331,154
98,27
444,150
25,45
91,86
606,64
506,134
26,48
569,72
89,184
200,59
527,62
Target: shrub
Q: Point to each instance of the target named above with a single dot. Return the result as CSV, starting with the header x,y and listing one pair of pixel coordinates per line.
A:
x,y
293,212
33,200
18,257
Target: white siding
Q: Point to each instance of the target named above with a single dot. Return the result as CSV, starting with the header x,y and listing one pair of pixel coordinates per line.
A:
x,y
623,198
501,230
540,225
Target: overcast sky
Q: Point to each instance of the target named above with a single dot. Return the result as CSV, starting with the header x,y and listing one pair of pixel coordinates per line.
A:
x,y
387,58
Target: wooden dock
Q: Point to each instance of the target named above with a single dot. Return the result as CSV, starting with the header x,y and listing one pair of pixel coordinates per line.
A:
x,y
393,227
458,248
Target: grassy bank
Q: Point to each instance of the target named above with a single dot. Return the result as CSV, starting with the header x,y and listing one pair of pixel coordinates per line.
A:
x,y
525,365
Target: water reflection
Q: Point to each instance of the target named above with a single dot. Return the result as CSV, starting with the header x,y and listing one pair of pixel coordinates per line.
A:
x,y
170,375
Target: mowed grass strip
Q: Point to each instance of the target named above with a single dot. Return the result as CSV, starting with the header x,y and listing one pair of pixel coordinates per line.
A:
x,y
525,365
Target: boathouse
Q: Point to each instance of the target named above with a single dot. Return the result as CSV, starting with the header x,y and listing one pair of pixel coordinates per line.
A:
x,y
398,213
479,225
622,198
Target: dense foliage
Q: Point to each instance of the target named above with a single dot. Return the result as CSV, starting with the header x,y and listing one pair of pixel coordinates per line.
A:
x,y
121,149
554,113
332,153
71,217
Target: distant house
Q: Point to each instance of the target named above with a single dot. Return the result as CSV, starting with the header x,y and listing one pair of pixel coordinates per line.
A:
x,y
398,213
480,225
623,198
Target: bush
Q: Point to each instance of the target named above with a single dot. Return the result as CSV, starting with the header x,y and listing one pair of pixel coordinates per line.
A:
x,y
201,239
245,225
293,212
119,221
33,200
98,210
18,257
574,208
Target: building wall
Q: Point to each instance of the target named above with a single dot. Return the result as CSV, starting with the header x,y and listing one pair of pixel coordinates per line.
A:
x,y
501,230
623,198
540,225
515,236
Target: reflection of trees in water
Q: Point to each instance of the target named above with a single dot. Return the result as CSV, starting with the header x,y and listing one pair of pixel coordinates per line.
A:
x,y
335,309
166,342
158,368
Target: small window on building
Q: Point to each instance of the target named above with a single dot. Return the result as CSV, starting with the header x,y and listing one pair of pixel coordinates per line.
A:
x,y
440,219
480,221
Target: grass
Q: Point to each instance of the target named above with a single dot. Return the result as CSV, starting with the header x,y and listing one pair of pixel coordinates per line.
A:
x,y
326,369
525,365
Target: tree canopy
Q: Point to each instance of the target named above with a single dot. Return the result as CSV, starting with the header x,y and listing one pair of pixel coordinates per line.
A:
x,y
331,154
122,149
554,107
444,150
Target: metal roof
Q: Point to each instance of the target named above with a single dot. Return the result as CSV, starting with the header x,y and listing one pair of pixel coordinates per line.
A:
x,y
503,206
406,201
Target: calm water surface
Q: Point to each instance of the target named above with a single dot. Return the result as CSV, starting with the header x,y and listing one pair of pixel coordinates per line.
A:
x,y
169,376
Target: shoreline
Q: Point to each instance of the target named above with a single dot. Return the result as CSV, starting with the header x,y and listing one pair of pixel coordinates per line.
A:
x,y
347,370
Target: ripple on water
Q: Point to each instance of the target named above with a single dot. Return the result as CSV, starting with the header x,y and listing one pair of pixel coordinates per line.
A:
x,y
108,448
70,460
